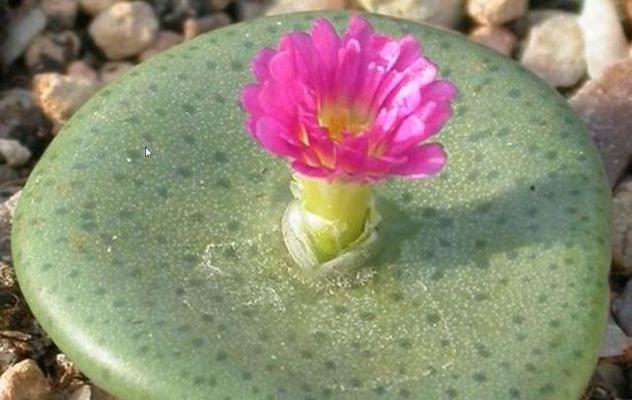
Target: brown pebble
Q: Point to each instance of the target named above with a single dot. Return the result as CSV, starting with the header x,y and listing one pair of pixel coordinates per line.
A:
x,y
165,40
59,96
52,51
81,69
25,381
605,105
194,27
110,71
496,37
61,14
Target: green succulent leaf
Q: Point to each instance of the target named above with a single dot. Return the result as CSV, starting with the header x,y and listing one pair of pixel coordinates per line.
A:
x,y
167,278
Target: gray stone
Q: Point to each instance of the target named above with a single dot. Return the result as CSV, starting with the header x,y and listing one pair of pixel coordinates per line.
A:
x,y
8,354
124,29
61,14
13,152
52,51
621,237
5,13
7,210
23,27
605,105
9,175
249,9
446,13
615,341
173,13
610,378
554,50
95,7
20,119
522,26
217,5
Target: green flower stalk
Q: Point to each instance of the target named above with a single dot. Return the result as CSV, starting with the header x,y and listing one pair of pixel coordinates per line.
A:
x,y
348,112
338,212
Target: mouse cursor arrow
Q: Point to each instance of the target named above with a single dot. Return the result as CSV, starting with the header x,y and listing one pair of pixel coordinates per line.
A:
x,y
147,152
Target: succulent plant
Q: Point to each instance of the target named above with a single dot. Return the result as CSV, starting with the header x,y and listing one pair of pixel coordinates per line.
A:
x,y
167,277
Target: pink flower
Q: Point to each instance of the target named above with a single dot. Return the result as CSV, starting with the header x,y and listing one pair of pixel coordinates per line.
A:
x,y
354,108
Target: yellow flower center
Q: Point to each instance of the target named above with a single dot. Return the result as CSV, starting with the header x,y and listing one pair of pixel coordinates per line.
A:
x,y
337,118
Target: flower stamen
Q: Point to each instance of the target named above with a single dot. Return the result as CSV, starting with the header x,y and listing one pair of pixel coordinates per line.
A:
x,y
338,118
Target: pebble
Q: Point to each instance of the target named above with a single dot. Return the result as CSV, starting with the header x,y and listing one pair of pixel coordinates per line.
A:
x,y
100,394
25,381
446,13
621,239
22,28
496,12
82,70
13,152
7,210
59,96
110,71
554,50
217,5
289,6
605,105
603,36
521,27
66,372
8,352
614,342
495,37
89,392
609,377
5,13
194,27
165,40
95,7
125,29
83,392
249,9
15,108
61,14
8,355
20,119
173,13
52,51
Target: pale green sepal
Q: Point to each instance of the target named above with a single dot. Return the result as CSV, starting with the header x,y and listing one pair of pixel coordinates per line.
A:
x,y
299,226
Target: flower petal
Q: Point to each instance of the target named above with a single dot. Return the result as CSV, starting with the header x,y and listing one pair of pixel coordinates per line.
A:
x,y
261,64
356,106
422,161
359,29
270,134
326,43
412,131
306,170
